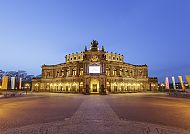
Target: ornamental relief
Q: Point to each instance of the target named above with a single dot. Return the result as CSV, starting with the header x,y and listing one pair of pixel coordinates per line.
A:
x,y
94,58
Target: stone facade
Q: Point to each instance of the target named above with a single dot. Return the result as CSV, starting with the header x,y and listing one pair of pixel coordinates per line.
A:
x,y
94,71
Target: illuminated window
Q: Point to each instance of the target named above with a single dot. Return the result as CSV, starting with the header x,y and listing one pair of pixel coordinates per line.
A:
x,y
62,72
114,72
81,83
107,72
121,71
74,72
81,71
126,72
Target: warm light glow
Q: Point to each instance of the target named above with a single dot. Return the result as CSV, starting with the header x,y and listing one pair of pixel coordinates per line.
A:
x,y
74,84
81,84
27,85
162,85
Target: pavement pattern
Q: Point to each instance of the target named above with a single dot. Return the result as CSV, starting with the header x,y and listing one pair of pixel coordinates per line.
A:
x,y
95,116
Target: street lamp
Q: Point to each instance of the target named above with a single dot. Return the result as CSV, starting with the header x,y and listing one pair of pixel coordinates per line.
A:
x,y
27,86
162,86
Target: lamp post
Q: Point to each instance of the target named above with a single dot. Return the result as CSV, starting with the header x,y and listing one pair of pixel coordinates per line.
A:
x,y
162,86
27,86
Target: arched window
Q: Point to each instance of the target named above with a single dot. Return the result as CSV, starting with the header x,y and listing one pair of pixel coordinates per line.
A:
x,y
107,71
74,72
121,72
115,72
62,72
81,71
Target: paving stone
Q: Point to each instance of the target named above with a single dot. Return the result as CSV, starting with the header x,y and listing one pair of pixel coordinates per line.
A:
x,y
95,116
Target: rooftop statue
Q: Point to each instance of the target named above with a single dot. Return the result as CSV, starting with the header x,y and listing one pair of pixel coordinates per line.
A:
x,y
94,43
103,49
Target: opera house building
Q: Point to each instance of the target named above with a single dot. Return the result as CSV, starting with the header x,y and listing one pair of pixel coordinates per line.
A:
x,y
94,71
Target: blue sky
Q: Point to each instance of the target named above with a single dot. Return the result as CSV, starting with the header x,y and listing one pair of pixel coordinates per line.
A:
x,y
153,32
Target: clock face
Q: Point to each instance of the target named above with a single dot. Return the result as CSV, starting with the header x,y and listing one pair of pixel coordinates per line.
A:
x,y
94,58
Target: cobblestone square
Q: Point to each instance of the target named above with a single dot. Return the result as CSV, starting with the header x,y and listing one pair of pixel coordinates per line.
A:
x,y
126,114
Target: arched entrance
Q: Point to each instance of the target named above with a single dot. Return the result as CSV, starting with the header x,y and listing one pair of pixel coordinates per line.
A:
x,y
94,86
